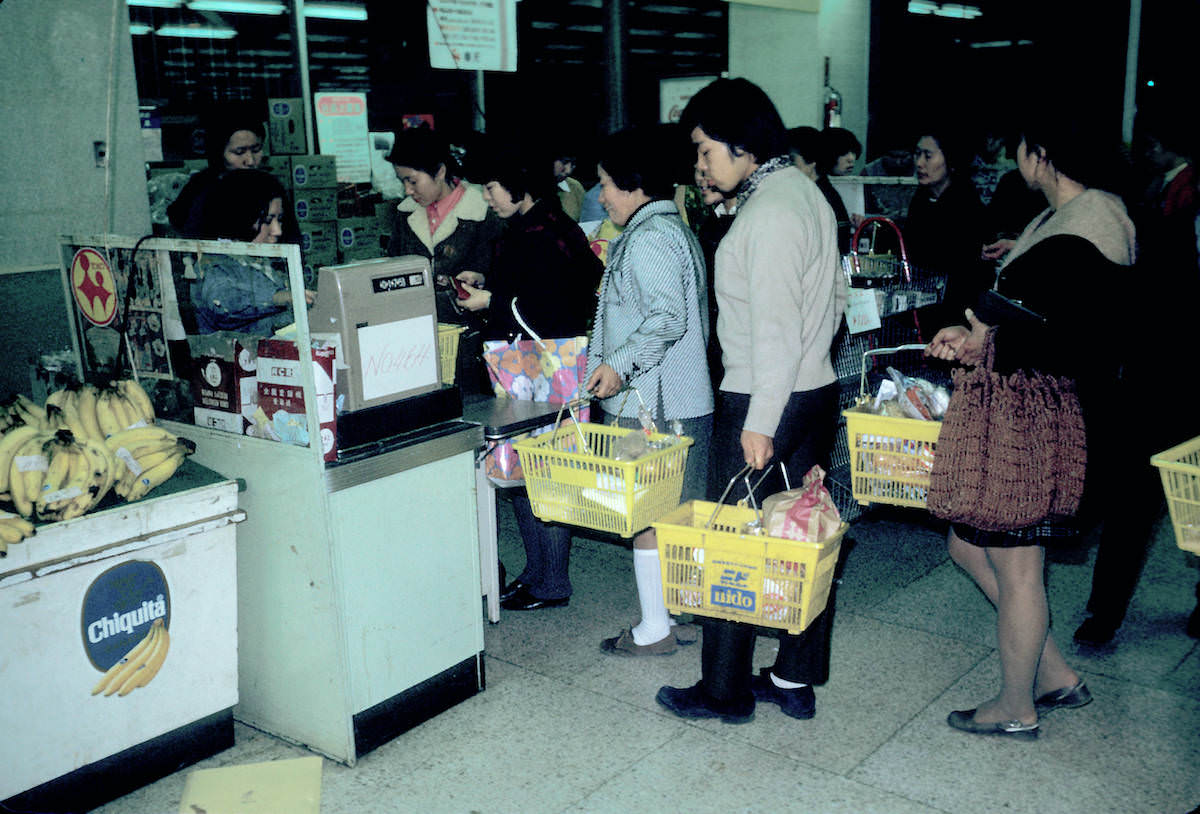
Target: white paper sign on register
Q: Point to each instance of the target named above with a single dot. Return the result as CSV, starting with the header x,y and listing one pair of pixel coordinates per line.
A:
x,y
397,356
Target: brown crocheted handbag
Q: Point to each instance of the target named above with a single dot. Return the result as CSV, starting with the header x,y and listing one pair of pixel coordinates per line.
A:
x,y
1011,451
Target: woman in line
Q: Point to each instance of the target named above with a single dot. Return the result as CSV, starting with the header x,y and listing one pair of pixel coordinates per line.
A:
x,y
544,263
946,227
780,298
234,141
246,294
1064,267
649,335
445,219
819,154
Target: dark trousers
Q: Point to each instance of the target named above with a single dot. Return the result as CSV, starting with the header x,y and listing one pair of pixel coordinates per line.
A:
x,y
803,438
547,552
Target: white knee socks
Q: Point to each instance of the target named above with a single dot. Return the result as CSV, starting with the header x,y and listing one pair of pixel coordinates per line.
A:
x,y
656,623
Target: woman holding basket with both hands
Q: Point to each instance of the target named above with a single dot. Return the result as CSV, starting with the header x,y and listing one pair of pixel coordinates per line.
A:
x,y
780,298
1066,267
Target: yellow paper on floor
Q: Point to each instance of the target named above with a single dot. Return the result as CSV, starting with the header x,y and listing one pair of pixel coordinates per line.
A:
x,y
273,787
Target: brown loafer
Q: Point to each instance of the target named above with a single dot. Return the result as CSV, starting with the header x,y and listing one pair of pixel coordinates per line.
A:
x,y
624,645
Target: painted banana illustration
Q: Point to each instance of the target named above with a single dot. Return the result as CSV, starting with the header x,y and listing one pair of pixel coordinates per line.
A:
x,y
139,666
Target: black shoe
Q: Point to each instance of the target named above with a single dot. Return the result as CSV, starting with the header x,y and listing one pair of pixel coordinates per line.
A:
x,y
1094,632
1066,698
1193,624
964,721
800,703
694,702
511,589
522,600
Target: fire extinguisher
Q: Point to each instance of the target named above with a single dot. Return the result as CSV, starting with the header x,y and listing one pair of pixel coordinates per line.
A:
x,y
832,113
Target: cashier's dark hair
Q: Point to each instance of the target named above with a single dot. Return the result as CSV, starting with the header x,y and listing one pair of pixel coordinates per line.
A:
x,y
740,114
645,158
424,150
805,142
1078,144
518,171
239,201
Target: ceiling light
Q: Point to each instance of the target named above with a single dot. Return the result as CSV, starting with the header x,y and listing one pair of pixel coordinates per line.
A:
x,y
197,31
139,28
955,10
238,6
336,11
156,3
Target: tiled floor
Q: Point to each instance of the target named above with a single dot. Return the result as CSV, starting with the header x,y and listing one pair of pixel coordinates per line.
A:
x,y
563,727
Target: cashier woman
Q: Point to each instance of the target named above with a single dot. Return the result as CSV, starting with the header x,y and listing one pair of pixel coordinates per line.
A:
x,y
234,141
246,294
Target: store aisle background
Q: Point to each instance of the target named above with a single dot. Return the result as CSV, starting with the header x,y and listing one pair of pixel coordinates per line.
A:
x,y
565,728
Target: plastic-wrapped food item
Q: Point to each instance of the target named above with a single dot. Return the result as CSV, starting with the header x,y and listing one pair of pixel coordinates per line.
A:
x,y
910,397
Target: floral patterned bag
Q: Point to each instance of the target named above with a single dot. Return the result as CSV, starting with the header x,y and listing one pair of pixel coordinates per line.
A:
x,y
551,372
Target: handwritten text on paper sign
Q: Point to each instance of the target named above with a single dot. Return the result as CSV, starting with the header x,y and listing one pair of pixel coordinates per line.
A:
x,y
398,356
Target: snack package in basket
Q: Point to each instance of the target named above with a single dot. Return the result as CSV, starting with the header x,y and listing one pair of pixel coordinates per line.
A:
x,y
807,513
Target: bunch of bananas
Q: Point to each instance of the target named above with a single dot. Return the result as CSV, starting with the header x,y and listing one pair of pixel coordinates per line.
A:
x,y
144,458
86,410
53,476
18,410
13,529
137,667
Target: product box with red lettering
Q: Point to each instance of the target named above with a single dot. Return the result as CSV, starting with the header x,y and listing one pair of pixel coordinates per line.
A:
x,y
281,395
224,388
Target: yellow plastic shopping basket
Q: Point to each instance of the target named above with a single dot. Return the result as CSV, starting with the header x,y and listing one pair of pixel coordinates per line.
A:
x,y
715,564
890,458
448,349
1180,470
572,477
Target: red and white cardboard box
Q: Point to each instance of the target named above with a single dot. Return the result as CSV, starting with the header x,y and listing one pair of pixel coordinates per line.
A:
x,y
224,385
281,396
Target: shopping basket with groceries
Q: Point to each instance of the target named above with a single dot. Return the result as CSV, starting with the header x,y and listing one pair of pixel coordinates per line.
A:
x,y
771,566
1180,470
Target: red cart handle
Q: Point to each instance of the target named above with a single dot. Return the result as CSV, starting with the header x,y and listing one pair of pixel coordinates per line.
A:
x,y
904,267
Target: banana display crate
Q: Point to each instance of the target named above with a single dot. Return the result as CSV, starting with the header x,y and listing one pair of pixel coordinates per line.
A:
x,y
447,336
890,458
82,594
572,477
1180,470
712,566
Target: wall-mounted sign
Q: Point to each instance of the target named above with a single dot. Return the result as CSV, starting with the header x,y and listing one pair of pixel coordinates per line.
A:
x,y
472,35
789,5
94,288
674,94
342,132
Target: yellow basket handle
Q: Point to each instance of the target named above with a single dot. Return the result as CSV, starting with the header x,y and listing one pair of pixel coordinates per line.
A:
x,y
862,382
744,474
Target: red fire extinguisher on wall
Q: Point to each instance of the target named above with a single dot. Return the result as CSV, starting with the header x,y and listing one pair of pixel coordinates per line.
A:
x,y
832,114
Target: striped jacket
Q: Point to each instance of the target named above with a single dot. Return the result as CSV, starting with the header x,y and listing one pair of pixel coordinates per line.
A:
x,y
651,323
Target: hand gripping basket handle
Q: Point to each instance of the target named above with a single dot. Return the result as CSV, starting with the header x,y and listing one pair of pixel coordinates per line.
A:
x,y
744,473
862,383
904,267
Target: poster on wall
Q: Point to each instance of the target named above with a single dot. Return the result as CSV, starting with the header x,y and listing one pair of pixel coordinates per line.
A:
x,y
342,132
472,35
674,94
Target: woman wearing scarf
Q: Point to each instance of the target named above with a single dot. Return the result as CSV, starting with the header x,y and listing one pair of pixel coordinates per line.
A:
x,y
780,298
1067,267
445,219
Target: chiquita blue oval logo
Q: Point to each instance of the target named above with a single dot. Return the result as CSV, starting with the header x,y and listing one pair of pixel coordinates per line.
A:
x,y
119,608
301,176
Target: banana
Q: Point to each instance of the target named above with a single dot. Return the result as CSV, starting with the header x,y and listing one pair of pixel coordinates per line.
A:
x,y
24,408
56,398
71,497
127,663
133,438
72,418
26,473
85,403
13,529
121,410
150,666
154,476
133,391
106,416
9,444
103,469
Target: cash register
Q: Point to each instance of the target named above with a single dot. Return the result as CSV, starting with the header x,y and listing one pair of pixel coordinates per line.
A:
x,y
384,321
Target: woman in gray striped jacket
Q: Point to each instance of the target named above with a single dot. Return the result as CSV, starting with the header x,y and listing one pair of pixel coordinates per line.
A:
x,y
650,336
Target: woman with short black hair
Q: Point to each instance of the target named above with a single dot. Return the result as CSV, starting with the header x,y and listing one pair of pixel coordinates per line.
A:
x,y
780,299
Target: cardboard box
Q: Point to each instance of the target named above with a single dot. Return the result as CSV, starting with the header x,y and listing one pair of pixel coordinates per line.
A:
x,y
314,172
319,242
281,395
315,205
280,166
358,239
285,126
224,384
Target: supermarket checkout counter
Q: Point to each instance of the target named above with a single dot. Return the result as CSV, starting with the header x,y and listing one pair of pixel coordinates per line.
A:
x,y
357,565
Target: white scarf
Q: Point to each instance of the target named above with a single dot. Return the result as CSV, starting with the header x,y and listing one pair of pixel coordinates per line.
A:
x,y
1098,217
